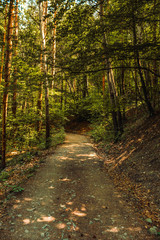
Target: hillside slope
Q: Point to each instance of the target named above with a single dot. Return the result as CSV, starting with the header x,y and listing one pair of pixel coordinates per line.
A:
x,y
134,166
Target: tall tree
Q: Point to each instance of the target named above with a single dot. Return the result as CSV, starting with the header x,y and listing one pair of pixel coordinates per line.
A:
x,y
137,57
14,101
7,79
43,30
3,47
155,65
116,114
40,97
54,49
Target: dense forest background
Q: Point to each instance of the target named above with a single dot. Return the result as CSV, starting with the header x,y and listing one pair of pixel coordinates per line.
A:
x,y
89,61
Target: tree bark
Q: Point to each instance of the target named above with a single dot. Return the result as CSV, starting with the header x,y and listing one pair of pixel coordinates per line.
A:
x,y
43,30
62,92
84,87
117,123
40,96
7,80
14,100
3,47
147,101
54,50
155,65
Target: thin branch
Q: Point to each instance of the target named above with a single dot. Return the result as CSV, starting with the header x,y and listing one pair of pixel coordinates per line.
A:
x,y
104,69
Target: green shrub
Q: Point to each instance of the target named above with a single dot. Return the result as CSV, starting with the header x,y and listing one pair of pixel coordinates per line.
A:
x,y
15,188
98,133
4,176
102,132
57,137
57,117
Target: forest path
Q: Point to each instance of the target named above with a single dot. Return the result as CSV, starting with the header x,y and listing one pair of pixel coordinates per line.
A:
x,y
71,197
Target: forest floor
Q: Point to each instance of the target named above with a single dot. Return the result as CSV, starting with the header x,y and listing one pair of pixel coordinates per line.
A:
x,y
71,197
134,166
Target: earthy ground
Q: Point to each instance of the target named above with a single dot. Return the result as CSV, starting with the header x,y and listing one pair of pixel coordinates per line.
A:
x,y
71,197
134,165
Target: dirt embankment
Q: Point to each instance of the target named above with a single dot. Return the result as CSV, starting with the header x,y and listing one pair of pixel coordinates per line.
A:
x,y
134,165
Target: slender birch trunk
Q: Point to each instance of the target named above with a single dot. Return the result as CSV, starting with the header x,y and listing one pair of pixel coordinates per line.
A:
x,y
43,30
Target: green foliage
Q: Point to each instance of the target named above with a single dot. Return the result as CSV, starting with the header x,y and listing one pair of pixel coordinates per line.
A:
x,y
15,188
4,176
98,133
22,158
57,137
30,170
89,108
80,66
102,131
57,117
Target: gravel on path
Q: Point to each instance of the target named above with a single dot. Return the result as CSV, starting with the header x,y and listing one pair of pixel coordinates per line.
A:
x,y
71,197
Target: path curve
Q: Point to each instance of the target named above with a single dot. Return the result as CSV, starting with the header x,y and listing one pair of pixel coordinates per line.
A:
x,y
71,197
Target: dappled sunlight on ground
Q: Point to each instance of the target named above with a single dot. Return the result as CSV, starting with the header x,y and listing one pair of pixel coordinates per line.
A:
x,y
78,213
65,180
60,225
46,219
112,229
119,160
69,223
15,206
67,215
87,155
71,199
28,199
135,229
26,221
51,187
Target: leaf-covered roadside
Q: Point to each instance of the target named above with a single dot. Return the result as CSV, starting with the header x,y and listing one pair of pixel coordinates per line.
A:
x,y
21,167
133,165
15,175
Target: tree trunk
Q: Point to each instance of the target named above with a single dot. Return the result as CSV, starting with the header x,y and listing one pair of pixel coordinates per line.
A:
x,y
117,123
62,92
103,85
43,29
84,87
123,91
39,107
40,96
54,51
136,90
148,103
3,47
7,80
14,100
155,65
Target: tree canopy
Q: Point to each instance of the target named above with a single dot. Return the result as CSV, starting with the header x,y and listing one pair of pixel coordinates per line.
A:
x,y
87,60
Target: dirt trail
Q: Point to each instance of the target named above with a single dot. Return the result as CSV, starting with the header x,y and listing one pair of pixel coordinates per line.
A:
x,y
71,197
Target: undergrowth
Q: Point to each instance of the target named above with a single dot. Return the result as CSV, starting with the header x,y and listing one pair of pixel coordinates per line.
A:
x,y
101,131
